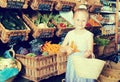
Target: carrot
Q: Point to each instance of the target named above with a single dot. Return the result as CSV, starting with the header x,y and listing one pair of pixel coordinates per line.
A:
x,y
72,45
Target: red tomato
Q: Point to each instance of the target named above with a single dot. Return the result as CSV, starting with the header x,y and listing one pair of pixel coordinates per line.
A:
x,y
62,25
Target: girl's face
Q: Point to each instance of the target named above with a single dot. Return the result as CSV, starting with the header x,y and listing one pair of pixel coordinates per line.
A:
x,y
80,20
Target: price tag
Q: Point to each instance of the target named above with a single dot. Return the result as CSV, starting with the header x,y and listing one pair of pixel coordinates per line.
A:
x,y
44,7
66,8
46,34
15,39
15,4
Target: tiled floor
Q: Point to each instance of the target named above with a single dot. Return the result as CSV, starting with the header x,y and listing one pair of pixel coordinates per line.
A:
x,y
51,79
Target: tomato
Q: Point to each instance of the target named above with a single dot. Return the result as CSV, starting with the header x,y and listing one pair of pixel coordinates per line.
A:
x,y
62,25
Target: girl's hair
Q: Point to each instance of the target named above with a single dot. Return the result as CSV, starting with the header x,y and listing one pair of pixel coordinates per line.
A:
x,y
81,10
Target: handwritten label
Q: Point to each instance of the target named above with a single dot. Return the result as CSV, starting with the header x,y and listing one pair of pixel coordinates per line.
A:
x,y
15,4
46,34
66,8
44,7
15,39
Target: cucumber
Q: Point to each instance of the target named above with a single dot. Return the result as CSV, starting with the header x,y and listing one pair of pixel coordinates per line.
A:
x,y
8,25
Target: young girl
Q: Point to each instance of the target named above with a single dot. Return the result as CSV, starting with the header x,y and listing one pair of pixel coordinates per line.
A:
x,y
82,40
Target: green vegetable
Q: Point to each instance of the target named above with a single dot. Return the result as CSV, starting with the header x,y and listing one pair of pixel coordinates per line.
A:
x,y
45,53
31,54
101,41
12,21
8,25
37,21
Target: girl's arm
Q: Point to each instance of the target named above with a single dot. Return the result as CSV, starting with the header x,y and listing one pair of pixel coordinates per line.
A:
x,y
89,52
65,45
65,41
90,43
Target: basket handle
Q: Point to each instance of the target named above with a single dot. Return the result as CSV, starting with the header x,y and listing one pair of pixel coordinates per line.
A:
x,y
107,65
12,52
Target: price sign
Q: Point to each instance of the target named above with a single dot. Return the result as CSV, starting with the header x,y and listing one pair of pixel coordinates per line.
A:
x,y
15,4
66,8
45,7
15,39
46,34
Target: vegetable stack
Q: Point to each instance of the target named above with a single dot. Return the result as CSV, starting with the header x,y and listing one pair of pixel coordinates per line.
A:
x,y
50,48
12,27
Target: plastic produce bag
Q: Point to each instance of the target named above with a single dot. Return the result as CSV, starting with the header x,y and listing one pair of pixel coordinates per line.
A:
x,y
7,73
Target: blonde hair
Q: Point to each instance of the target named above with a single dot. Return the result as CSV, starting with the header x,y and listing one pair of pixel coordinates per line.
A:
x,y
81,10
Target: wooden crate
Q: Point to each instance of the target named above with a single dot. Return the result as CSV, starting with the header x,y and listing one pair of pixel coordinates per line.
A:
x,y
37,68
65,5
39,32
62,31
7,35
42,5
61,63
23,4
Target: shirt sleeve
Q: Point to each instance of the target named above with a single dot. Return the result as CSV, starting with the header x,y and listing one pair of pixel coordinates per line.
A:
x,y
90,42
66,40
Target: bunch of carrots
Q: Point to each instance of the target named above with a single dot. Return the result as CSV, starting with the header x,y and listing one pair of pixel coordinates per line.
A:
x,y
50,48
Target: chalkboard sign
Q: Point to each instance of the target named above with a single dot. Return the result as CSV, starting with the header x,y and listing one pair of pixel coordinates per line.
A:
x,y
15,4
66,8
45,7
46,34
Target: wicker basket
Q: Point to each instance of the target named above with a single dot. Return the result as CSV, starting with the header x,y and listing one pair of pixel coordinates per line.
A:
x,y
43,5
14,4
61,63
101,50
7,35
39,32
37,68
109,75
19,66
65,5
112,72
103,78
93,69
115,65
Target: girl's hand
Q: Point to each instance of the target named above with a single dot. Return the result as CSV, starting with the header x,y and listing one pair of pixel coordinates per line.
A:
x,y
69,50
89,54
66,49
92,55
62,49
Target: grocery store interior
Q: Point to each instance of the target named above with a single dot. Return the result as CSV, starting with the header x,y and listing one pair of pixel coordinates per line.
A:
x,y
32,32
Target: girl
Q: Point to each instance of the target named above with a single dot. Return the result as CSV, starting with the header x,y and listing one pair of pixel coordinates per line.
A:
x,y
82,40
